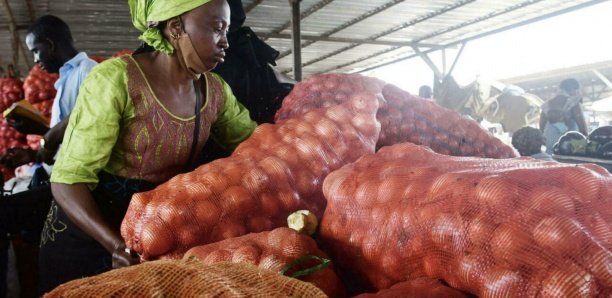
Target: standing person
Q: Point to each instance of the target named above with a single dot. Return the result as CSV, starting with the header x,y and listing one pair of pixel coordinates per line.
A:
x,y
563,113
139,120
529,141
50,41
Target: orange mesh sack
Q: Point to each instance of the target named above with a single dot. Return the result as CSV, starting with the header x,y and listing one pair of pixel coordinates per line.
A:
x,y
495,228
418,288
275,250
403,117
187,278
277,171
11,89
38,85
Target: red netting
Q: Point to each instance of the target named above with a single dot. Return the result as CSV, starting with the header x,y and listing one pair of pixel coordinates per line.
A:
x,y
278,170
38,85
273,251
187,278
417,288
403,117
496,228
11,89
10,137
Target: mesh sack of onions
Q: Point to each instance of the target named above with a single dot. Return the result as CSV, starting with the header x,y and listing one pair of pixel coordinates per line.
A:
x,y
280,250
277,171
187,278
495,228
403,117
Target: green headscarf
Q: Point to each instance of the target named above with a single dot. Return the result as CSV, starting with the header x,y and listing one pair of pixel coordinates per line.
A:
x,y
144,11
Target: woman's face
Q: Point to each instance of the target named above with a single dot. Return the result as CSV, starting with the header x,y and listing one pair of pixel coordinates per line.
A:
x,y
207,27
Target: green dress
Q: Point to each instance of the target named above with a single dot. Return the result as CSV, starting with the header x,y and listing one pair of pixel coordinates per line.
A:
x,y
121,140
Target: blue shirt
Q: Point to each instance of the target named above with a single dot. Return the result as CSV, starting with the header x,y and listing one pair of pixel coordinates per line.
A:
x,y
71,74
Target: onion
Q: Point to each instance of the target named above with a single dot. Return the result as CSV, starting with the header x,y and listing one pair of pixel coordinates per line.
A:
x,y
559,235
502,282
568,282
509,244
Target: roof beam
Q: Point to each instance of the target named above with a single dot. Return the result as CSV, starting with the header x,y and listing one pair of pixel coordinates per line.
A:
x,y
13,29
303,15
348,24
348,40
602,78
480,35
391,30
31,12
427,60
252,5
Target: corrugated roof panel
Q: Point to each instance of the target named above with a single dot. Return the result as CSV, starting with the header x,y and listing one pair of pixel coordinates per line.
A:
x,y
102,27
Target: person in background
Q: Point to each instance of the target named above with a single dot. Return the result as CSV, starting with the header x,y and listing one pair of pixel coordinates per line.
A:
x,y
425,92
50,41
139,121
563,113
528,141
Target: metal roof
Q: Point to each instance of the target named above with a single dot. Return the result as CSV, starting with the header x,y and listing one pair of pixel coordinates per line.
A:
x,y
337,35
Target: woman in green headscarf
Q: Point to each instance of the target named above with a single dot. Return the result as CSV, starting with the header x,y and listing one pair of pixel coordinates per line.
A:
x,y
139,120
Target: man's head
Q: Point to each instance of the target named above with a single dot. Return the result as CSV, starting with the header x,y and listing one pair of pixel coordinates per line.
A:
x,y
50,40
571,86
425,91
528,141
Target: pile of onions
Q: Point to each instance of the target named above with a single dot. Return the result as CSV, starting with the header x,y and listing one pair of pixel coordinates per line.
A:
x,y
277,171
273,250
11,89
403,117
494,228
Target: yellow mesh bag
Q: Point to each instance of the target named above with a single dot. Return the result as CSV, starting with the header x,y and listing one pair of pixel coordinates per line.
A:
x,y
187,278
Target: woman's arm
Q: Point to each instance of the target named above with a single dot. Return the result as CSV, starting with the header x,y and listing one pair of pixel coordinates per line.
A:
x,y
79,205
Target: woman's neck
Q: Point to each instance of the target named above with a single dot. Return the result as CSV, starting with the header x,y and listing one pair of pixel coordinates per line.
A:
x,y
169,69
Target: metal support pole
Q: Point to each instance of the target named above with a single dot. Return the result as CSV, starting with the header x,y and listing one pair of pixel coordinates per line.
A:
x,y
296,38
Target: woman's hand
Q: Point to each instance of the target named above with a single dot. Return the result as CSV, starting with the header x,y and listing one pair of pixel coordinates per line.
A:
x,y
124,257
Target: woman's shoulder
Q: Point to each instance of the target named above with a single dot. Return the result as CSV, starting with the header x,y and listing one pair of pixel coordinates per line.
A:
x,y
111,68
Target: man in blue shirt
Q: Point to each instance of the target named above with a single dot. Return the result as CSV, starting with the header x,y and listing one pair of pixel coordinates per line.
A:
x,y
50,40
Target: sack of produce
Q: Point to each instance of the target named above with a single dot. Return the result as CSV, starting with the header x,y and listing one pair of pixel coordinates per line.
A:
x,y
281,250
11,89
403,117
39,85
495,228
418,288
10,137
278,170
186,278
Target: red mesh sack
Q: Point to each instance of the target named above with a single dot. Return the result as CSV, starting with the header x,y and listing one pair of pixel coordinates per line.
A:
x,y
11,89
7,173
403,117
417,288
97,58
277,171
495,228
33,141
187,278
274,250
10,137
39,85
44,107
123,52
